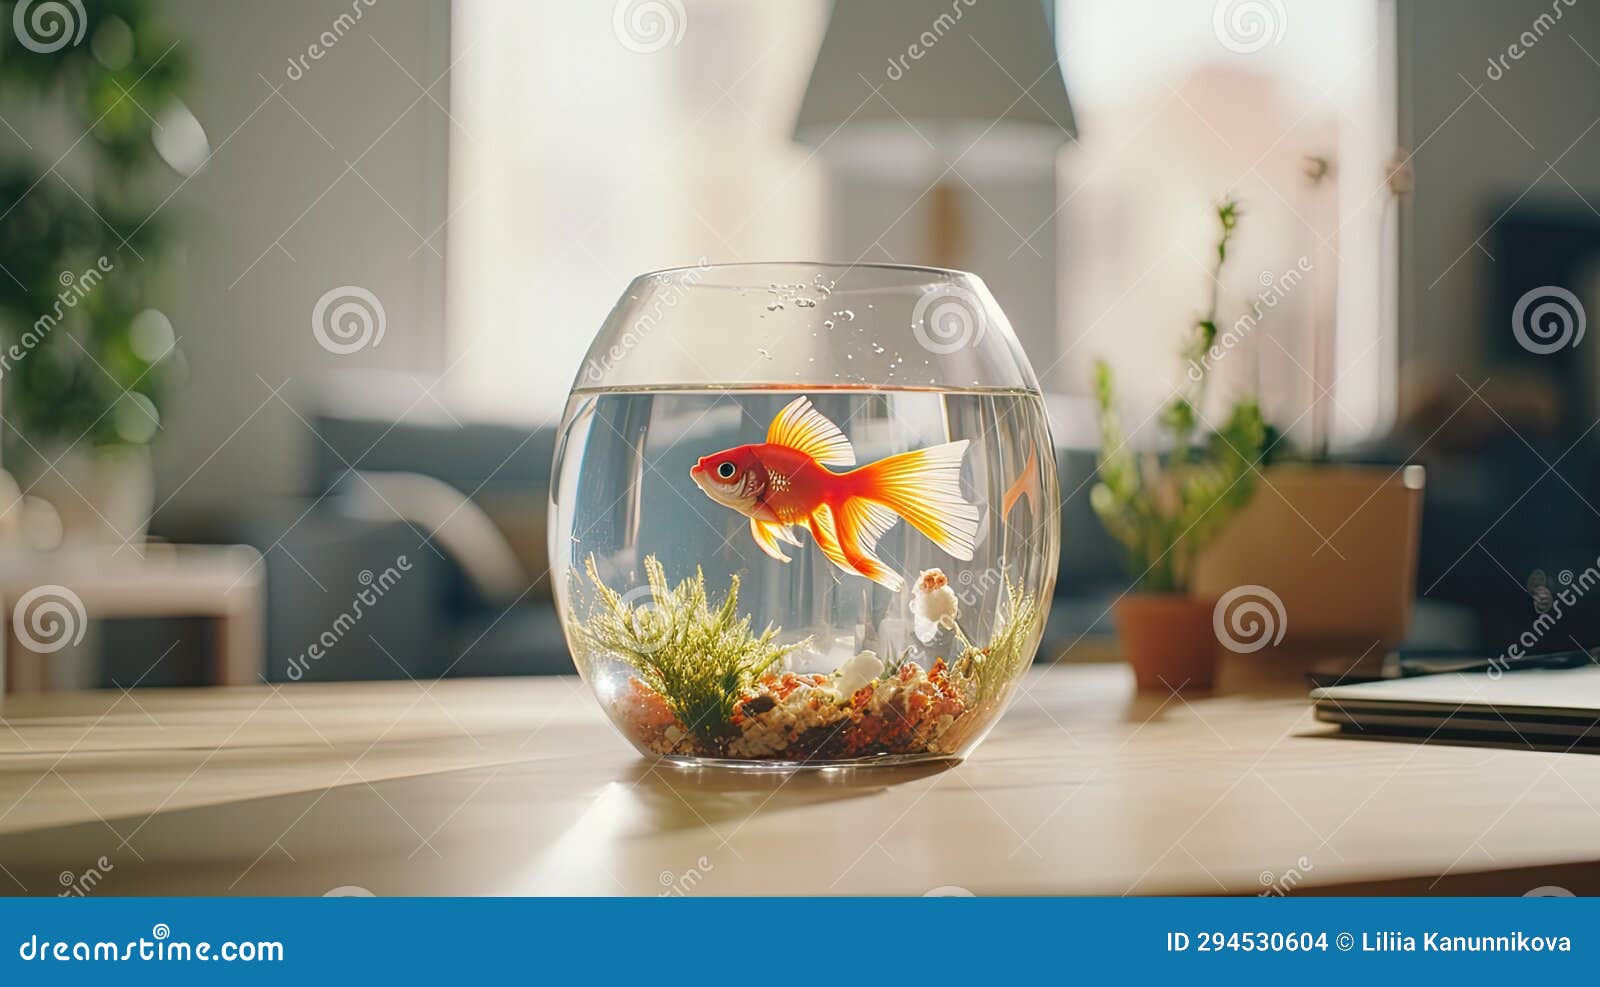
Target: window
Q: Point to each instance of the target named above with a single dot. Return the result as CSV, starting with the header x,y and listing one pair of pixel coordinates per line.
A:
x,y
1179,103
594,142
581,158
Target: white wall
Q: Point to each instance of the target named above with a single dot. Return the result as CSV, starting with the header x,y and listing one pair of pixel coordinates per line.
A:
x,y
275,220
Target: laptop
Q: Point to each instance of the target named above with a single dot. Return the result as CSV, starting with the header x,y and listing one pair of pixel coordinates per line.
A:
x,y
1537,709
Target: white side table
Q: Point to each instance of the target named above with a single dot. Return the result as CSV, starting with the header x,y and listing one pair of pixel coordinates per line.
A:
x,y
222,582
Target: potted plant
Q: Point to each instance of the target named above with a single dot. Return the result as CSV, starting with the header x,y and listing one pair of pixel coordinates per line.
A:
x,y
1165,507
86,359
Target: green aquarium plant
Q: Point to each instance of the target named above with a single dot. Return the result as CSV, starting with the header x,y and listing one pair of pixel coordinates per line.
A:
x,y
1164,509
698,656
1010,651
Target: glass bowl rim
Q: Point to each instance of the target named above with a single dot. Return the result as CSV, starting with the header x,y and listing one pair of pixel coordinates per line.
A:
x,y
821,264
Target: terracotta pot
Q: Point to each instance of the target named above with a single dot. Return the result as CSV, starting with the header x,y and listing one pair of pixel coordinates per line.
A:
x,y
1168,639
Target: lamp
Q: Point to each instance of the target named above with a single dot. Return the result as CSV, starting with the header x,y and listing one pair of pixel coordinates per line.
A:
x,y
918,84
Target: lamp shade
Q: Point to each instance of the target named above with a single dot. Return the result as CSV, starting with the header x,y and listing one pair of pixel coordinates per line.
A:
x,y
942,70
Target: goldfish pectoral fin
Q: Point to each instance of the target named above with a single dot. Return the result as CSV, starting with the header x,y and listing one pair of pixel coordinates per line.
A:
x,y
801,427
924,487
827,538
763,533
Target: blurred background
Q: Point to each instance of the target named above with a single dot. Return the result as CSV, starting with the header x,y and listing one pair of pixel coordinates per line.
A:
x,y
293,293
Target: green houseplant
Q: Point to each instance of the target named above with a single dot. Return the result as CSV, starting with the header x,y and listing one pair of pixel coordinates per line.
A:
x,y
87,360
1165,507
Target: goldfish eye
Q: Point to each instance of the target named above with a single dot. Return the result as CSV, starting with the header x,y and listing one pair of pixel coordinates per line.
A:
x,y
726,470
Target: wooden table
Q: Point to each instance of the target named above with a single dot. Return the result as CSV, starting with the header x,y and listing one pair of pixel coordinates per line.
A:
x,y
520,787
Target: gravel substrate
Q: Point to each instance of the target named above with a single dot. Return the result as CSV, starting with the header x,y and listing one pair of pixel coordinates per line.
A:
x,y
793,717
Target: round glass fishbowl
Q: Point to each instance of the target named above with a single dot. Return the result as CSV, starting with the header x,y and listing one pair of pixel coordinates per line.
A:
x,y
804,515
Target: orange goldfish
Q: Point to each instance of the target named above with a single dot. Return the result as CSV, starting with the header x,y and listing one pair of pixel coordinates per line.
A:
x,y
784,482
1025,485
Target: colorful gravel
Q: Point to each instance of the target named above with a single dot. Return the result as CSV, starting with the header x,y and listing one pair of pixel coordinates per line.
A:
x,y
794,717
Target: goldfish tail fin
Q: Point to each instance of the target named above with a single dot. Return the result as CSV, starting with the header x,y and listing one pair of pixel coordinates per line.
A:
x,y
924,487
1026,485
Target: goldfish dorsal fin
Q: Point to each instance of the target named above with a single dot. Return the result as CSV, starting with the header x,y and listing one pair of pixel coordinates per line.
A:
x,y
803,428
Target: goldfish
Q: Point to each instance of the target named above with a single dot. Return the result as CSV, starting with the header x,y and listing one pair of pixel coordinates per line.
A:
x,y
786,482
1026,486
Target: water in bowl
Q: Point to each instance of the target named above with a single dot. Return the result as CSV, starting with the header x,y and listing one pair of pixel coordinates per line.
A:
x,y
703,645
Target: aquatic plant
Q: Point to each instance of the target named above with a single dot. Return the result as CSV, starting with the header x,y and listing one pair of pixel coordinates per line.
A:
x,y
698,657
995,667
